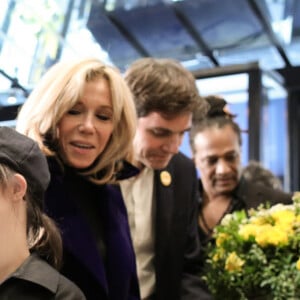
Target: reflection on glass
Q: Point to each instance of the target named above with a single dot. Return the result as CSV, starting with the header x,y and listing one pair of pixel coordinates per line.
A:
x,y
274,128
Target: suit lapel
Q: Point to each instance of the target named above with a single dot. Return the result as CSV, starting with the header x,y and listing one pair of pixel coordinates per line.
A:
x,y
164,208
77,236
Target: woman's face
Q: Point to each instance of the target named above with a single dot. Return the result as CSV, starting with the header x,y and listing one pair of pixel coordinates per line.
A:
x,y
84,131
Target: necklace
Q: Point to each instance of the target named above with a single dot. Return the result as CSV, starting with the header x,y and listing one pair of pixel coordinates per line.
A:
x,y
206,228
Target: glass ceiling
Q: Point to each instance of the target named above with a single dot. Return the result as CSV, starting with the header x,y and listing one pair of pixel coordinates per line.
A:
x,y
200,33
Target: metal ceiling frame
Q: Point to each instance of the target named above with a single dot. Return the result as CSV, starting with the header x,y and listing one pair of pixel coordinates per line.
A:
x,y
269,31
196,36
128,35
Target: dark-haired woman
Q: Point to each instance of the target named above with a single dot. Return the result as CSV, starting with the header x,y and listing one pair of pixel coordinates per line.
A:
x,y
216,146
30,251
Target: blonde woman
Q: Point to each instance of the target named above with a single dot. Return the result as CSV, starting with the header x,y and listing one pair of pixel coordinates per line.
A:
x,y
83,117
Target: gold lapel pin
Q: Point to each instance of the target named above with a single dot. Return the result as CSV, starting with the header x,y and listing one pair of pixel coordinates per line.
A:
x,y
165,178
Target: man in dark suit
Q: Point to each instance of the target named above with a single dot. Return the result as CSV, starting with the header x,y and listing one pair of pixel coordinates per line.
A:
x,y
162,200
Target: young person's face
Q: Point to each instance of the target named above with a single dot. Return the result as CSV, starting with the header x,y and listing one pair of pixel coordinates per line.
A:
x,y
158,138
85,130
217,157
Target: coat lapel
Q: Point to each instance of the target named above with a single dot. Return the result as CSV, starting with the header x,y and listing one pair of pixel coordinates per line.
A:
x,y
117,272
83,247
164,207
120,259
77,236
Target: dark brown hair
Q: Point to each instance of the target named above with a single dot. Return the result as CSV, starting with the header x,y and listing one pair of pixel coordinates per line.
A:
x,y
217,116
162,85
43,234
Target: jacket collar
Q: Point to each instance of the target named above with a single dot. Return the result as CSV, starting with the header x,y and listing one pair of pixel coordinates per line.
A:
x,y
35,270
128,170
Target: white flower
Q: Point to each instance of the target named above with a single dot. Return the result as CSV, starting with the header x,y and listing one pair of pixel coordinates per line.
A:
x,y
227,219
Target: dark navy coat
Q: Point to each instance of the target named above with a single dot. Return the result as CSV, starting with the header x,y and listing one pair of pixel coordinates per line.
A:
x,y
110,276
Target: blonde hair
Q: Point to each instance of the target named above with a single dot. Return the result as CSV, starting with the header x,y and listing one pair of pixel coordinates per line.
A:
x,y
58,91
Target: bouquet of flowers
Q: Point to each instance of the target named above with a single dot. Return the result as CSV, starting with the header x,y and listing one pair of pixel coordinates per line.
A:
x,y
256,256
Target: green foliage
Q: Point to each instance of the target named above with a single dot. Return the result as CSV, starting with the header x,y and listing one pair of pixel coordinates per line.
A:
x,y
256,256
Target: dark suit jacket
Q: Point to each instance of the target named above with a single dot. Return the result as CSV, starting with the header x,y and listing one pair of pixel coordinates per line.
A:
x,y
177,245
112,275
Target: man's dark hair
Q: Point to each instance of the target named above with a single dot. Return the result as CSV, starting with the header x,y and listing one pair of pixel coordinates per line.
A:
x,y
217,116
163,85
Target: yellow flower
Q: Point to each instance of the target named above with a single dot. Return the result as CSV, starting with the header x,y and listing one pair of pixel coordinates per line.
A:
x,y
271,235
298,264
259,220
284,217
233,263
218,255
248,230
221,238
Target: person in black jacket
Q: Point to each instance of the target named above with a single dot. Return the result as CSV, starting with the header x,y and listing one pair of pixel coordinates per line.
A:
x,y
31,246
162,200
216,146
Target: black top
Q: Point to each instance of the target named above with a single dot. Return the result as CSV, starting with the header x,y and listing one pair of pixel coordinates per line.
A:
x,y
35,280
247,195
87,198
98,252
177,248
234,205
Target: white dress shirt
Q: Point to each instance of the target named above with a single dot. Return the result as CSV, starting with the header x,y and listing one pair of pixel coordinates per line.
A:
x,y
138,196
